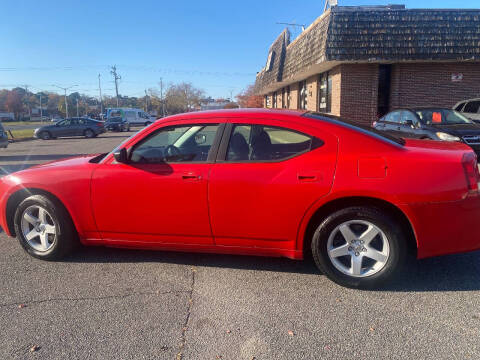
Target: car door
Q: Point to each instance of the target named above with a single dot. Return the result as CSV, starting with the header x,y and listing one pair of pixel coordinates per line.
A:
x,y
62,128
266,177
392,123
160,194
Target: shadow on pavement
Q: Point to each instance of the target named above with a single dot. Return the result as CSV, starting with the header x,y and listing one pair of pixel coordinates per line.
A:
x,y
448,273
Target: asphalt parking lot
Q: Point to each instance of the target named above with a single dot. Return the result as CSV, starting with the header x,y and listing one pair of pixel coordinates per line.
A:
x,y
123,304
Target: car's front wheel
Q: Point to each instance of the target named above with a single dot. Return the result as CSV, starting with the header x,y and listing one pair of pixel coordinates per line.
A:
x,y
44,228
359,247
45,135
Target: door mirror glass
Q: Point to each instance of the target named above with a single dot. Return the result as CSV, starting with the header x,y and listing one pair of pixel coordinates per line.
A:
x,y
121,156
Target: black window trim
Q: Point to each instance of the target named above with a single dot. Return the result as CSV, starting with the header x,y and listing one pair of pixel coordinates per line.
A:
x,y
212,153
222,151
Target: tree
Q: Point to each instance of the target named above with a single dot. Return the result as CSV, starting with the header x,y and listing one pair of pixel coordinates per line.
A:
x,y
249,99
14,103
182,97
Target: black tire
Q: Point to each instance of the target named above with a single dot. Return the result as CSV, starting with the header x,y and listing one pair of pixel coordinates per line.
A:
x,y
66,237
89,133
395,236
45,135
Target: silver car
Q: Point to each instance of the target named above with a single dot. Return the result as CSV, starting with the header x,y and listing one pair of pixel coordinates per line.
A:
x,y
469,108
3,137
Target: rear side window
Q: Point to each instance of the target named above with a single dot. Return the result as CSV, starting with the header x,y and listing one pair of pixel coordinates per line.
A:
x,y
267,143
460,107
472,107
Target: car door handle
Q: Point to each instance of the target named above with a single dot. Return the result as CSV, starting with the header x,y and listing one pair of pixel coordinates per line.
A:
x,y
305,177
191,176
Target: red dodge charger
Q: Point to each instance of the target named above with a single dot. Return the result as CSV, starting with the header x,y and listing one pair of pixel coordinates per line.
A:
x,y
257,182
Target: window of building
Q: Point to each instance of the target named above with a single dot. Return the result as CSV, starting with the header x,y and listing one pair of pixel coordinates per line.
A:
x,y
185,143
284,105
275,100
302,95
324,93
267,101
263,143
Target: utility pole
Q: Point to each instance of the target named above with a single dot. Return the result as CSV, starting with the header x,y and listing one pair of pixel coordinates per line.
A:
x,y
27,101
100,90
231,95
116,77
66,102
146,101
41,110
161,97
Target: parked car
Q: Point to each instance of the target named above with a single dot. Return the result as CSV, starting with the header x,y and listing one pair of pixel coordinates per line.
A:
x,y
117,124
431,123
469,108
3,137
131,116
256,182
71,127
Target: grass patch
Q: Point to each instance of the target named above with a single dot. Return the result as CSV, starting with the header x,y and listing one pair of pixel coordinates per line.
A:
x,y
17,123
21,134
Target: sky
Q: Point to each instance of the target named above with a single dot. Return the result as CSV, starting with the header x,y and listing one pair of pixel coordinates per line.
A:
x,y
216,45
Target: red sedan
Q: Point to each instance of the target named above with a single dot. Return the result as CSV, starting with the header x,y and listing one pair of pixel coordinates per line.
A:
x,y
257,182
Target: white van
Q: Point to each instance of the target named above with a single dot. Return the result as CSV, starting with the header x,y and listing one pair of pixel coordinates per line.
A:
x,y
131,116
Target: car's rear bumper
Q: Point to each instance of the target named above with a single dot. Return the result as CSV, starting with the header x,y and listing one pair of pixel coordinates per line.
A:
x,y
446,227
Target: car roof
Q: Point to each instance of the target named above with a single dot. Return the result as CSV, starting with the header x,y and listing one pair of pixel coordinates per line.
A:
x,y
235,113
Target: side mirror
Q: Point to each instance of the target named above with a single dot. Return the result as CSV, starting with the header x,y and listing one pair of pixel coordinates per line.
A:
x,y
121,156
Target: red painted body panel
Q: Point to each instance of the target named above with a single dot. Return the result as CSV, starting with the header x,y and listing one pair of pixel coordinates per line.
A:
x,y
260,208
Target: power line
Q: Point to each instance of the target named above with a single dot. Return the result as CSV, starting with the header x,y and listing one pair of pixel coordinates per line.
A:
x,y
66,102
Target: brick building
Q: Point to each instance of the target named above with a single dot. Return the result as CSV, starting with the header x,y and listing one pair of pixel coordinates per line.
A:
x,y
361,62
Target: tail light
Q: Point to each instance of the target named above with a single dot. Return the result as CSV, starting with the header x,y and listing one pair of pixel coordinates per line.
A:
x,y
470,167
99,124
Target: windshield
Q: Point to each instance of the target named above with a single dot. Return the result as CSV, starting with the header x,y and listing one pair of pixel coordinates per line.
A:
x,y
441,117
365,129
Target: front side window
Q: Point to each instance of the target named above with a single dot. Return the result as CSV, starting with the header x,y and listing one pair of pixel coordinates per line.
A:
x,y
408,115
472,107
267,143
187,143
442,117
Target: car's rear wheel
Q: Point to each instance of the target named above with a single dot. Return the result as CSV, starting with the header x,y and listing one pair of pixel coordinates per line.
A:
x,y
89,133
44,228
45,135
359,247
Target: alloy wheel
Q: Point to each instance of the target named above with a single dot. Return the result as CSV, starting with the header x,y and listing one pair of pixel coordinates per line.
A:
x,y
38,228
358,248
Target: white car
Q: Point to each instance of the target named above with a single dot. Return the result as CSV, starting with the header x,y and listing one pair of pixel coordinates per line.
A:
x,y
469,108
131,116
